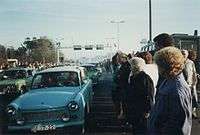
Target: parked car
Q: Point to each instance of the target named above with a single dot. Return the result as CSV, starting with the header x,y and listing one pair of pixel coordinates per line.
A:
x,y
98,67
14,82
92,72
59,97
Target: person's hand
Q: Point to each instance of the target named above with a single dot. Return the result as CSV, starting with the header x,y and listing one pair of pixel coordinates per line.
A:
x,y
146,115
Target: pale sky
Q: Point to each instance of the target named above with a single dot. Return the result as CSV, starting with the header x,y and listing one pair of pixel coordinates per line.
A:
x,y
88,21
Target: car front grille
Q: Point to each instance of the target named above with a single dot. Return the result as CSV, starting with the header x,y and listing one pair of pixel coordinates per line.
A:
x,y
42,116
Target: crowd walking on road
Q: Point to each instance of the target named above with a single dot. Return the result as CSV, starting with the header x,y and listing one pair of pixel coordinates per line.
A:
x,y
156,92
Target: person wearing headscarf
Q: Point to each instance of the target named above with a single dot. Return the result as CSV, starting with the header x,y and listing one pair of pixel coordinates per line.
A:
x,y
172,112
139,97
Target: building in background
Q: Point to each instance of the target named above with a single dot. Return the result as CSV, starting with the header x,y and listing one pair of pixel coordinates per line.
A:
x,y
181,41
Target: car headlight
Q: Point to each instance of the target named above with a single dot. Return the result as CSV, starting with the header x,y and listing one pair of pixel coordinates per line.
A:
x,y
11,111
73,106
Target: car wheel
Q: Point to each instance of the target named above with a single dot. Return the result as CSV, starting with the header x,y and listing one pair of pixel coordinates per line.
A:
x,y
79,130
82,129
88,110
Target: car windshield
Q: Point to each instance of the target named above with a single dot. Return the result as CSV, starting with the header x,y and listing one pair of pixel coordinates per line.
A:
x,y
55,79
90,68
13,74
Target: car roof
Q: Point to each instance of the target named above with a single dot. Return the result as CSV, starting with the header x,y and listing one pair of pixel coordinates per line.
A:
x,y
19,68
61,69
88,65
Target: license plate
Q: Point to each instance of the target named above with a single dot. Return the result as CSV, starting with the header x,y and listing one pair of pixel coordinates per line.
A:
x,y
40,127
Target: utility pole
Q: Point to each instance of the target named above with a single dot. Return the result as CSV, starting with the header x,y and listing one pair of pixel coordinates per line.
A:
x,y
150,22
58,53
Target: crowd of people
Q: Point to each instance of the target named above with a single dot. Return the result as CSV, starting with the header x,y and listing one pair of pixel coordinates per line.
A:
x,y
156,93
34,65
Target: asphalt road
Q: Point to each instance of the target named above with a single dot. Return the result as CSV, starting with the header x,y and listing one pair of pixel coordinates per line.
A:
x,y
103,118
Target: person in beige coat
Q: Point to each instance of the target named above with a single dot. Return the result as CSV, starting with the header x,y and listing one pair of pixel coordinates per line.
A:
x,y
190,75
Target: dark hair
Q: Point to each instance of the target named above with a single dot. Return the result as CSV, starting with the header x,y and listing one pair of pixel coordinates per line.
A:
x,y
192,55
129,56
163,40
147,57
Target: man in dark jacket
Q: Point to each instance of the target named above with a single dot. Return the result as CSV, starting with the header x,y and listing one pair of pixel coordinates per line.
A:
x,y
124,72
116,89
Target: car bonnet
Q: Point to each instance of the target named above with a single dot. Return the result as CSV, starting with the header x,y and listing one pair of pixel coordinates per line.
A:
x,y
46,98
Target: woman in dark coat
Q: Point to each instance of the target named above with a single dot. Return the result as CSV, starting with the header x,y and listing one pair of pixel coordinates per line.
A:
x,y
140,96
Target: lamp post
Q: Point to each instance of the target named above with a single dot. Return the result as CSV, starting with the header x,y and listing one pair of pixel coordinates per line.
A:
x,y
118,34
57,53
110,46
150,22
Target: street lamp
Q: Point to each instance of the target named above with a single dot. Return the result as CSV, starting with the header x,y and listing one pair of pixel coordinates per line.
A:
x,y
110,46
117,23
150,22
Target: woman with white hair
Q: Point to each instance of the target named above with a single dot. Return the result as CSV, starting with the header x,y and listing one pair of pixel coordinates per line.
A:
x,y
172,112
140,96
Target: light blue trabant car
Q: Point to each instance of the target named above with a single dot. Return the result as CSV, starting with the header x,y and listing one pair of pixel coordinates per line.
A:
x,y
59,97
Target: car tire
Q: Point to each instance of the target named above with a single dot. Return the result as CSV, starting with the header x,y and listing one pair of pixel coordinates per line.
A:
x,y
88,110
79,130
82,129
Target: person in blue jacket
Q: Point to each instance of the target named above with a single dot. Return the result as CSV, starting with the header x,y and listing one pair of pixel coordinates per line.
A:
x,y
172,112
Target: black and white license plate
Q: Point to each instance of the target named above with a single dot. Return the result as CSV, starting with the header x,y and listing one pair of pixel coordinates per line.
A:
x,y
40,127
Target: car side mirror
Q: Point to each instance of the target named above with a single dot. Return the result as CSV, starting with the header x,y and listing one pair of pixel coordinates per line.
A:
x,y
24,89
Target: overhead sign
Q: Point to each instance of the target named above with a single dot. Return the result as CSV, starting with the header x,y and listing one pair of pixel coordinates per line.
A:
x,y
77,47
100,47
88,47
